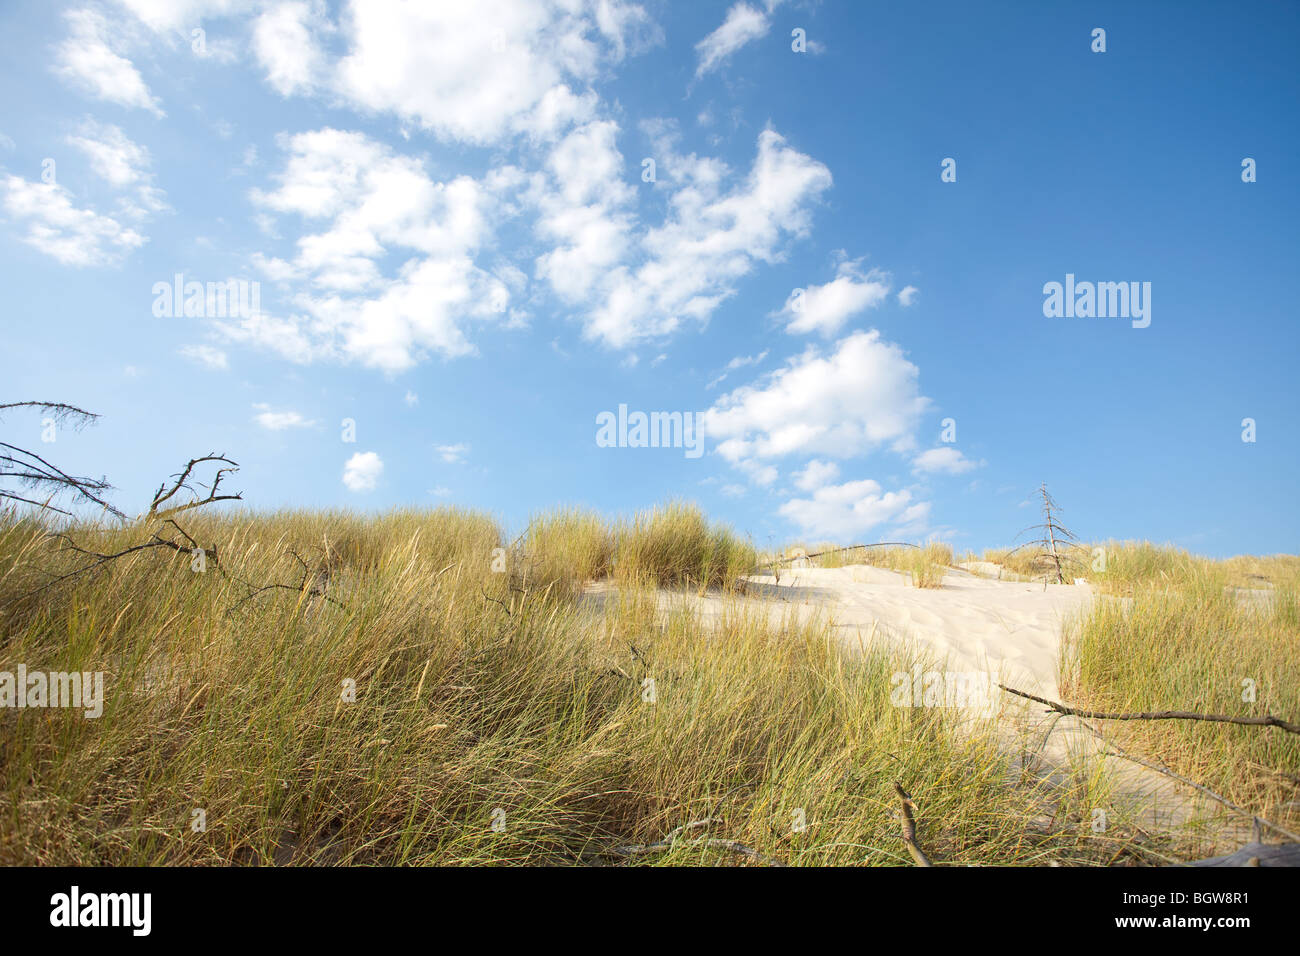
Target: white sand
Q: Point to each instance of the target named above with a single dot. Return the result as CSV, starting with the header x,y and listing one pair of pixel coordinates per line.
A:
x,y
976,624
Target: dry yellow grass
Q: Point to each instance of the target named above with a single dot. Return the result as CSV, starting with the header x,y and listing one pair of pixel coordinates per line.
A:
x,y
497,717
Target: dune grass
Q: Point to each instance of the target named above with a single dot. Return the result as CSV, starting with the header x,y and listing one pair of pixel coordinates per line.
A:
x,y
925,564
408,704
674,545
1175,633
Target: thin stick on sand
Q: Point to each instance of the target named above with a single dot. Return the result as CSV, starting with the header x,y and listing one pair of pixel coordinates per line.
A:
x,y
1268,720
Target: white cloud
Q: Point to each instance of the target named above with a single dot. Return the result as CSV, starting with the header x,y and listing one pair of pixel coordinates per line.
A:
x,y
286,41
860,396
362,471
375,203
442,491
740,361
743,24
87,61
412,399
733,491
111,152
684,269
825,308
184,15
477,72
945,460
585,212
816,474
907,295
278,421
452,454
839,512
77,237
121,162
207,355
762,475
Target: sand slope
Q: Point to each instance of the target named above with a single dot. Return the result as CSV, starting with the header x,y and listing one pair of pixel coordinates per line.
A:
x,y
973,623
1010,628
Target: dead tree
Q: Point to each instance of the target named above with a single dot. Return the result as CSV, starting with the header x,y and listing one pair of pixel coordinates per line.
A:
x,y
1056,546
41,482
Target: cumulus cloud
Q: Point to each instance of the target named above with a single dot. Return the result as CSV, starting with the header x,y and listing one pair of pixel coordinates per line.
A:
x,y
943,460
287,44
825,308
86,60
73,236
361,472
847,510
859,396
816,474
372,204
482,71
715,234
907,295
586,211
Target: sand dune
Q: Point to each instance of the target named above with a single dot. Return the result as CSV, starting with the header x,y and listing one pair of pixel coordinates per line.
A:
x,y
1010,629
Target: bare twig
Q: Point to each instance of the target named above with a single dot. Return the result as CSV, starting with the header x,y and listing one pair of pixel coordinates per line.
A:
x,y
1115,750
165,494
1268,720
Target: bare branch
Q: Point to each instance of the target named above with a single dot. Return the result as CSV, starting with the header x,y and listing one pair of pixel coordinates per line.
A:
x,y
1268,720
165,494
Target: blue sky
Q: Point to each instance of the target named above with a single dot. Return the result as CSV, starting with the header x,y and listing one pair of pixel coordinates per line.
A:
x,y
447,213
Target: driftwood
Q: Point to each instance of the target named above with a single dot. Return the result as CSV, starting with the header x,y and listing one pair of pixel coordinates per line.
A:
x,y
1256,854
1268,720
909,827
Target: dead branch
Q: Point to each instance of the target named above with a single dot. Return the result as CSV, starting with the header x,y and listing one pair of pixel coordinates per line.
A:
x,y
909,826
60,411
319,578
1115,750
1268,720
165,494
31,470
100,558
